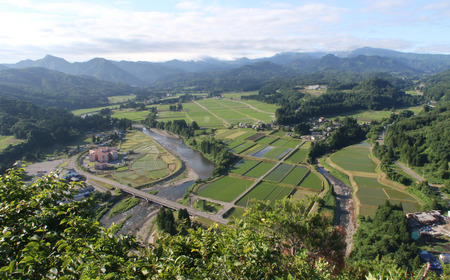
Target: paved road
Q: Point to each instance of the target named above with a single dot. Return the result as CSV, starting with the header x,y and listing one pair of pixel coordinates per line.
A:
x,y
409,171
147,196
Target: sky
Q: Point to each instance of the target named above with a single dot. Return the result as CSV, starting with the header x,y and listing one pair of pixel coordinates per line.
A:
x,y
161,30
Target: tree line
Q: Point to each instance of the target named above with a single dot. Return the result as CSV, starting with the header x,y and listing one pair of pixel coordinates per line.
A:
x,y
421,141
375,94
42,238
44,127
213,149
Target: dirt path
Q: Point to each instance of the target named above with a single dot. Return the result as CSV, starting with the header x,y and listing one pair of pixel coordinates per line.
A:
x,y
253,107
206,109
231,108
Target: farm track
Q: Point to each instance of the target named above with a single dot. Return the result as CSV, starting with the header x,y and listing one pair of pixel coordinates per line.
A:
x,y
209,111
231,108
253,107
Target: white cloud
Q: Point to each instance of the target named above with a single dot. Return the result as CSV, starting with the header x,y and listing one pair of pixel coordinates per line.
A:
x,y
75,29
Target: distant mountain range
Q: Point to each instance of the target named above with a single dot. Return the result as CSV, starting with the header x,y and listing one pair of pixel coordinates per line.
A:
x,y
363,60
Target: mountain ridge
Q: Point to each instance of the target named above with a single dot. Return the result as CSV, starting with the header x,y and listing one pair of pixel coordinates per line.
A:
x,y
142,73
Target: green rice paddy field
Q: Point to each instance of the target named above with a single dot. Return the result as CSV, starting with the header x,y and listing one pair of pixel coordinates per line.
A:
x,y
279,172
264,191
295,176
219,112
225,189
371,192
259,169
243,166
298,156
354,159
312,181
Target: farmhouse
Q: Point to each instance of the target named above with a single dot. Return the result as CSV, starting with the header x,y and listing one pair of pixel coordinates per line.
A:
x,y
103,154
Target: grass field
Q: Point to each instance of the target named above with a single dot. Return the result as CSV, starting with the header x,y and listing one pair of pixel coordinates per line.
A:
x,y
278,173
225,189
260,169
294,177
235,213
8,140
369,115
130,114
121,98
80,112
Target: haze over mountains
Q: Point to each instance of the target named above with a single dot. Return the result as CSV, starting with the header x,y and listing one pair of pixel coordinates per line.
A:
x,y
363,60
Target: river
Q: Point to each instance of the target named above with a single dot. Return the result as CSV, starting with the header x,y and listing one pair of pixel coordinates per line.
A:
x,y
193,159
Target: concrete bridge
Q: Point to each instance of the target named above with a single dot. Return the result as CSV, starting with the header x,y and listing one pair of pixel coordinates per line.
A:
x,y
148,197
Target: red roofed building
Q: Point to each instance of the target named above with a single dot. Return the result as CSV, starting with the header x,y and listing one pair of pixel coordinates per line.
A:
x,y
103,154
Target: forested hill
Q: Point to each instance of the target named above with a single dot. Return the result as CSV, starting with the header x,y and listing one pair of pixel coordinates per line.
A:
x,y
423,141
437,87
49,88
364,60
375,93
42,127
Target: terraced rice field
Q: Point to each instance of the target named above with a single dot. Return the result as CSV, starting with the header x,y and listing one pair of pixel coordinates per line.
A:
x,y
294,177
371,191
298,156
243,166
243,147
278,173
264,191
280,142
302,194
151,163
253,150
277,152
292,144
225,189
259,169
234,144
266,140
262,151
312,181
354,159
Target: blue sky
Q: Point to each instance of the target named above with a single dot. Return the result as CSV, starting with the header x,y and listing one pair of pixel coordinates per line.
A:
x,y
227,29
